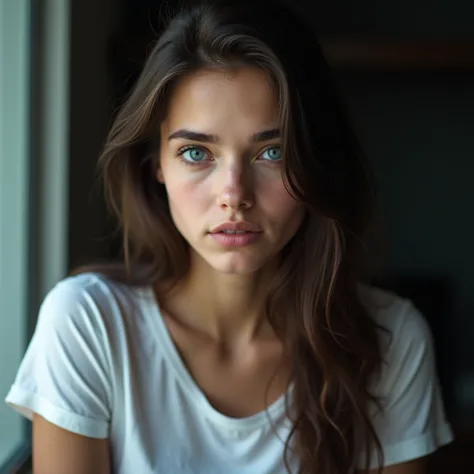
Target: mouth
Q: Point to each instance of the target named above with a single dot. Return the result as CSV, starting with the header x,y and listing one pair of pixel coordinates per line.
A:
x,y
235,239
234,232
236,227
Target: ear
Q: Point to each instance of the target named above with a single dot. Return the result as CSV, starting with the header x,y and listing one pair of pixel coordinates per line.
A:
x,y
159,176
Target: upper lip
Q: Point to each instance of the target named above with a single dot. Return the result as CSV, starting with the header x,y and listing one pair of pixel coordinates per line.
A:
x,y
239,225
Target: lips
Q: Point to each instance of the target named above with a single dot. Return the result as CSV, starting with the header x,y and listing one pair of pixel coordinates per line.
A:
x,y
236,234
236,228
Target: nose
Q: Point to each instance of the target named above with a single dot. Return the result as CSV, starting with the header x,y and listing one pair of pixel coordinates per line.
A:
x,y
235,188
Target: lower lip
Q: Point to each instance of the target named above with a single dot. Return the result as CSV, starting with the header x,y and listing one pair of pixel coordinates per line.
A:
x,y
235,240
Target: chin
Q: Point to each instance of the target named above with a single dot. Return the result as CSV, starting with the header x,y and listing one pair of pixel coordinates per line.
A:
x,y
246,261
237,265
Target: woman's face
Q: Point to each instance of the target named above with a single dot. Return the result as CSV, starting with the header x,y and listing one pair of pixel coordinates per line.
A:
x,y
220,163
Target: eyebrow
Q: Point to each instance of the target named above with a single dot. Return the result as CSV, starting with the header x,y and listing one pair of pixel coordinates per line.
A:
x,y
265,135
207,138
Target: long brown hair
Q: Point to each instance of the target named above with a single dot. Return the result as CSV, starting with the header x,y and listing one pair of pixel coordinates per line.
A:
x,y
314,301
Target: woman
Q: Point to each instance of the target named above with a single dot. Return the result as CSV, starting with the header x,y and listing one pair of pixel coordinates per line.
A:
x,y
236,337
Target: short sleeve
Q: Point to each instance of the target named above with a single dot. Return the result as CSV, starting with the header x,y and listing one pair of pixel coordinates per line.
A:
x,y
65,373
412,422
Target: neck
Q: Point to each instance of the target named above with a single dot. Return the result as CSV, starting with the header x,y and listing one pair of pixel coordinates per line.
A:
x,y
228,308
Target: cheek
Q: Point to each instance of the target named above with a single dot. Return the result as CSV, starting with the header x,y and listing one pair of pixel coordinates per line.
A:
x,y
278,202
180,206
179,196
186,199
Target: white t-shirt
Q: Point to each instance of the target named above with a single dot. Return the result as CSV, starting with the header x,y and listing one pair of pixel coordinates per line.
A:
x,y
102,364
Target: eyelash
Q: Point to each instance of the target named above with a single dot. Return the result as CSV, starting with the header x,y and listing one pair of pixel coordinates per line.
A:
x,y
185,148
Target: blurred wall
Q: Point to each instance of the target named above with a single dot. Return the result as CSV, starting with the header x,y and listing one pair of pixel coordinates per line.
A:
x,y
93,24
427,18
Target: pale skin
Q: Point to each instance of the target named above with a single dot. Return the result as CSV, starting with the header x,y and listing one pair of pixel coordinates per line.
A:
x,y
231,171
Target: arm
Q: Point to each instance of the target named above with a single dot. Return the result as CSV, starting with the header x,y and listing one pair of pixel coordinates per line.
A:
x,y
56,451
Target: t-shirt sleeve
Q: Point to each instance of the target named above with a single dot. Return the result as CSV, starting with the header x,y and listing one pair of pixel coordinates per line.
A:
x,y
65,373
412,422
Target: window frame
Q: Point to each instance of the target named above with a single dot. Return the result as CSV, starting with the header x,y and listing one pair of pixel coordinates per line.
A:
x,y
38,93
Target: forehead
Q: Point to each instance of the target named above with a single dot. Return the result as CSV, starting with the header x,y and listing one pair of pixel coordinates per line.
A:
x,y
243,98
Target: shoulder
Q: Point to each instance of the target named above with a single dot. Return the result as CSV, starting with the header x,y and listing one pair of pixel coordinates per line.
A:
x,y
90,301
83,285
405,336
89,290
395,315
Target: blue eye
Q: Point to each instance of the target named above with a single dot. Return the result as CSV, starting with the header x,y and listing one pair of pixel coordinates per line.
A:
x,y
193,154
272,153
